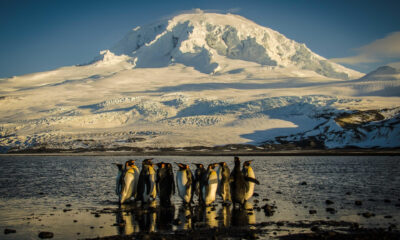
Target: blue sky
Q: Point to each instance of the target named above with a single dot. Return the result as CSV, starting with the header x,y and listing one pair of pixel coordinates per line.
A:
x,y
40,35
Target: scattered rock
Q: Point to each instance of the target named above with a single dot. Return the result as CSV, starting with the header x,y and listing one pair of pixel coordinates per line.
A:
x,y
265,199
329,202
46,235
68,205
268,210
91,227
303,183
97,215
315,229
8,231
280,224
331,210
358,203
387,201
75,221
397,205
312,211
368,215
256,201
348,193
255,194
278,192
388,216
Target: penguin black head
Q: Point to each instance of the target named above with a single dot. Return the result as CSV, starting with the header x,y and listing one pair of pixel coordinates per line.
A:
x,y
212,165
222,164
199,165
237,161
131,162
247,163
127,163
161,165
182,166
147,161
119,166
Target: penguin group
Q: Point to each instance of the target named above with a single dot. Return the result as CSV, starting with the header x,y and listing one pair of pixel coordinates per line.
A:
x,y
205,184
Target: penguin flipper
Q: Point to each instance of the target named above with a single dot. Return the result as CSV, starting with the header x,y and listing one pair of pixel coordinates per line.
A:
x,y
250,179
148,185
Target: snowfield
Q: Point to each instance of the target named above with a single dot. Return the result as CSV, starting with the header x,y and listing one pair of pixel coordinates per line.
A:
x,y
201,79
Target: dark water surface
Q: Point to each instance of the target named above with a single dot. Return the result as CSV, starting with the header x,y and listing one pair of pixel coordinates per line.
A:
x,y
62,194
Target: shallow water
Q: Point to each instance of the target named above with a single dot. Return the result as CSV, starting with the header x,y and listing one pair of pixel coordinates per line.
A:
x,y
35,191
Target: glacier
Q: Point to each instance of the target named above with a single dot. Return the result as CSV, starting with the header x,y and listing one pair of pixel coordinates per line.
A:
x,y
201,80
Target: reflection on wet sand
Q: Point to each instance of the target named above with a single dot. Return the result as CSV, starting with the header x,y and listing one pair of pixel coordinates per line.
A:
x,y
134,218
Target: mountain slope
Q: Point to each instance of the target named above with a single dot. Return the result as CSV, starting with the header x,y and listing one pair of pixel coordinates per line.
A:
x,y
200,80
208,41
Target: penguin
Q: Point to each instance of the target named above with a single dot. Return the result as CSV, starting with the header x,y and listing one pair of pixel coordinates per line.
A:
x,y
184,181
199,174
118,186
165,183
224,183
210,184
148,175
238,185
249,173
130,182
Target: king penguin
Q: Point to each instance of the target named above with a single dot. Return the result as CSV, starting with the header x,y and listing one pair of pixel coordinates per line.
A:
x,y
249,174
165,183
210,184
184,181
199,174
130,182
148,182
224,183
118,186
239,185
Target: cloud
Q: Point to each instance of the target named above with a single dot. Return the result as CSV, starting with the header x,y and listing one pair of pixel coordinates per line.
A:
x,y
384,48
395,64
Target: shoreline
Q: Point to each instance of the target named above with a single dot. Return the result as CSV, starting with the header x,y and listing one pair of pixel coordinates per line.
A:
x,y
319,152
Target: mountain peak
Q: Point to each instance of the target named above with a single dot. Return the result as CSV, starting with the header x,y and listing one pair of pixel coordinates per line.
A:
x,y
210,42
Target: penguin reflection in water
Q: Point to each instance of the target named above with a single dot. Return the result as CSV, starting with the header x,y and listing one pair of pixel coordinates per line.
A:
x,y
165,183
128,181
184,181
239,184
147,191
210,184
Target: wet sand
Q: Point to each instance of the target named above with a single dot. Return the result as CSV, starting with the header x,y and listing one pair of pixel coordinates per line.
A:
x,y
236,224
299,198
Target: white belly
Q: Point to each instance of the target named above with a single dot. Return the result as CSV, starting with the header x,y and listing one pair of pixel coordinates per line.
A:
x,y
149,196
249,193
129,187
181,179
210,191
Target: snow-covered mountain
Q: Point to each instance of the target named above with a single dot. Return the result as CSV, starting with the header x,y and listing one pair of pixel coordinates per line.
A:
x,y
207,41
201,79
